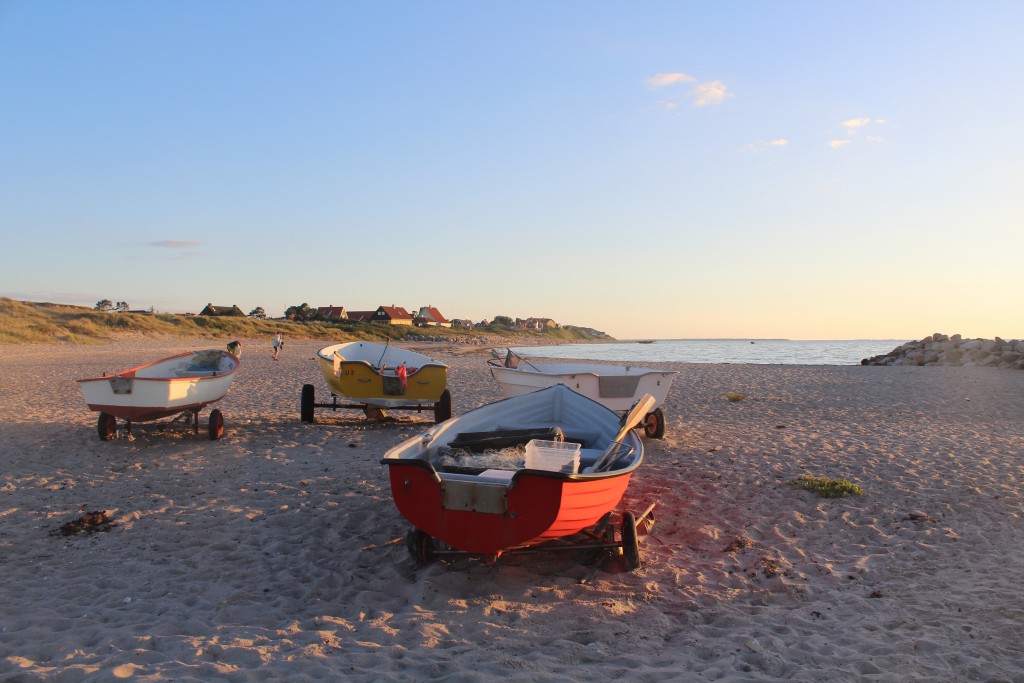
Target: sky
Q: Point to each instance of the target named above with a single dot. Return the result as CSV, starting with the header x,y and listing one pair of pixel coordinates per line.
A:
x,y
789,169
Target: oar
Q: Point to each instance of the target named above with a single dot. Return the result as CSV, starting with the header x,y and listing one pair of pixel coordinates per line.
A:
x,y
637,413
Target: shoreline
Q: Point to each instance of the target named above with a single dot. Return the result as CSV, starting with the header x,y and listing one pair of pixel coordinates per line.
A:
x,y
277,552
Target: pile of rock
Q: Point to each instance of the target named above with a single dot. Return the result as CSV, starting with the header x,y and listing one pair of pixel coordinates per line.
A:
x,y
939,349
480,340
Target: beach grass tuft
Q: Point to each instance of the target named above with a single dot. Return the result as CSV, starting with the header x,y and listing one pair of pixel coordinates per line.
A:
x,y
826,487
735,396
27,322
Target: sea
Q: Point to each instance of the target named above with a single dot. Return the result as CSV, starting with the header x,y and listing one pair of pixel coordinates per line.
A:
x,y
753,351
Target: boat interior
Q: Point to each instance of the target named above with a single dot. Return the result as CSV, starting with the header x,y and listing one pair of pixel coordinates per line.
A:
x,y
207,363
479,454
382,369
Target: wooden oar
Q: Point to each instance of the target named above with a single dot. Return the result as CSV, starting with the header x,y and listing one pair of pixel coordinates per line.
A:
x,y
637,413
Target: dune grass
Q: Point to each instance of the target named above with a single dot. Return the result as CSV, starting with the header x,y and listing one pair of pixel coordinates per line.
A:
x,y
26,322
23,322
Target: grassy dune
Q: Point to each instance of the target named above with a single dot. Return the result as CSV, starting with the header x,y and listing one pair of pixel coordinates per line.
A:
x,y
26,322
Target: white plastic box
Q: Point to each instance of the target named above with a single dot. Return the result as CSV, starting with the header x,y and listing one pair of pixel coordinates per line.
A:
x,y
553,456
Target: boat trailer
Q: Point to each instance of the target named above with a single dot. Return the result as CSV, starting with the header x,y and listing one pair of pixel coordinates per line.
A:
x,y
602,537
442,409
106,424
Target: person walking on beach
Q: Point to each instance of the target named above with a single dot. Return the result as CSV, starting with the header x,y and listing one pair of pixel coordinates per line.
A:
x,y
278,344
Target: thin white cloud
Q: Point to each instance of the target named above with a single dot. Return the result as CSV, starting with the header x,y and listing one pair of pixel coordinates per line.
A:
x,y
667,79
852,125
714,92
857,125
759,146
175,244
701,94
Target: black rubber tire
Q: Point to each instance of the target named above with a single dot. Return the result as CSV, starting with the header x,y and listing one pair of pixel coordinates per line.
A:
x,y
420,546
306,404
654,424
630,542
106,427
216,424
443,408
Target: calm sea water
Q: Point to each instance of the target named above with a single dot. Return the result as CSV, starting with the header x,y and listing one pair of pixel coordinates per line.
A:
x,y
758,351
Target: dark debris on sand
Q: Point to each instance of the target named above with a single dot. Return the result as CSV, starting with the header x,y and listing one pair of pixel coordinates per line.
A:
x,y
89,523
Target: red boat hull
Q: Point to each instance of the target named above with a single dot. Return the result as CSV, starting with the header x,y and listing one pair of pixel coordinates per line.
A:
x,y
538,507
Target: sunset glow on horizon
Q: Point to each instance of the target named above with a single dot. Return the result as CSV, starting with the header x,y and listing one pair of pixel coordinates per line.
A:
x,y
792,170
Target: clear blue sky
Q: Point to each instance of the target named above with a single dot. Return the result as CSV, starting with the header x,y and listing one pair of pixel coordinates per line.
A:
x,y
814,170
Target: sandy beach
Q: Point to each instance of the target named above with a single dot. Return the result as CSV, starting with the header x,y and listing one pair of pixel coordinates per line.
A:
x,y
276,553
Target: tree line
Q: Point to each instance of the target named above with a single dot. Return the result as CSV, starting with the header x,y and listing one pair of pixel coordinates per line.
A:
x,y
108,305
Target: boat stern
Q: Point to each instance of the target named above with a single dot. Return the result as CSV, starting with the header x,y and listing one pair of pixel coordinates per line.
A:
x,y
473,513
358,380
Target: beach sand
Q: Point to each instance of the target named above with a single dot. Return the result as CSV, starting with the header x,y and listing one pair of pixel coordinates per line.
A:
x,y
276,553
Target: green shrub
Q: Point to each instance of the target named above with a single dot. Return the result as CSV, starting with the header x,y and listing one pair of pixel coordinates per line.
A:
x,y
825,487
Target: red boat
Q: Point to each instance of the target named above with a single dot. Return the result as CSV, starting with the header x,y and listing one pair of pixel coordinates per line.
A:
x,y
489,509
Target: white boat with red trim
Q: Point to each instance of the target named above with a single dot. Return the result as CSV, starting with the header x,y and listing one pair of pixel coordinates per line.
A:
x,y
179,385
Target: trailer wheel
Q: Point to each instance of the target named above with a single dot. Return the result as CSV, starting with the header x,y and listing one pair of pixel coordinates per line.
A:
x,y
443,408
630,542
420,546
106,426
216,426
654,424
306,404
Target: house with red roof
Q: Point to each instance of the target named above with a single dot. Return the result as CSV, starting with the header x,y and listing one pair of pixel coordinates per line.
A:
x,y
430,316
391,315
331,313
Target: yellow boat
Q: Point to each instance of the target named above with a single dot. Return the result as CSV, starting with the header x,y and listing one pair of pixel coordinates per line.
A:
x,y
379,377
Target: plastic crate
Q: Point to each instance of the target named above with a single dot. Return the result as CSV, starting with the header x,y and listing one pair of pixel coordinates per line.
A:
x,y
553,456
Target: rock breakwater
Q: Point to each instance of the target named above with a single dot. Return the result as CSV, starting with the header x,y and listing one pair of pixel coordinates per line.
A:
x,y
481,340
940,349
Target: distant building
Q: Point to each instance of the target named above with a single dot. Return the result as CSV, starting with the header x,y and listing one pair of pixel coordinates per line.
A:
x,y
331,313
230,311
428,315
548,324
462,322
361,316
537,324
392,315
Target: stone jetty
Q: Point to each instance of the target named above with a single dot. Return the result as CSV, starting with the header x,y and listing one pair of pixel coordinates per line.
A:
x,y
940,349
